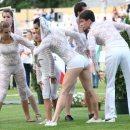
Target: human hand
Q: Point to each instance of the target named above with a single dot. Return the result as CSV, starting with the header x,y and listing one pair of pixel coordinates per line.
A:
x,y
40,83
87,52
99,75
53,80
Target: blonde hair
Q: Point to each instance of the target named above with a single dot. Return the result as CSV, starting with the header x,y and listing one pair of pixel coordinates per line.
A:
x,y
4,24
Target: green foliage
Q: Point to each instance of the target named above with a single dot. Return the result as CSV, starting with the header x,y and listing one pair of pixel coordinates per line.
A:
x,y
119,80
36,86
23,4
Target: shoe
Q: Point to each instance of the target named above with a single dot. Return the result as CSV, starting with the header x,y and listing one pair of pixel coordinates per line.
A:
x,y
69,118
43,122
110,120
39,117
94,121
90,116
49,123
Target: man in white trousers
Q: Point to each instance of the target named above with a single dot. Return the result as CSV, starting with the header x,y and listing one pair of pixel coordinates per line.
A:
x,y
117,53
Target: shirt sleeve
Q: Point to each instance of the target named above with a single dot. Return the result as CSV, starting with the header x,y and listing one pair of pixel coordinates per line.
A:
x,y
76,37
70,39
51,62
122,27
21,47
46,42
92,47
24,42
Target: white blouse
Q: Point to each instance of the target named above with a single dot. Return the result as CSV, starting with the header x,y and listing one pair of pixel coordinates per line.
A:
x,y
10,52
57,42
103,33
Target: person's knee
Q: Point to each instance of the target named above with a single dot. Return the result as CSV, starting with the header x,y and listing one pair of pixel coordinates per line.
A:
x,y
45,96
53,96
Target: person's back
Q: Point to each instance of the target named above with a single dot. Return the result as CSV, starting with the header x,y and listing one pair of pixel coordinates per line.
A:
x,y
98,30
58,40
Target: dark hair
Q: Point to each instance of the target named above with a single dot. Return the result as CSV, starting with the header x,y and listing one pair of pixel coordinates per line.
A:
x,y
87,14
52,11
36,21
79,7
8,11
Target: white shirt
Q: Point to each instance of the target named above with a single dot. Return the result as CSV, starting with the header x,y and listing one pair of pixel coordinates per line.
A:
x,y
27,59
103,33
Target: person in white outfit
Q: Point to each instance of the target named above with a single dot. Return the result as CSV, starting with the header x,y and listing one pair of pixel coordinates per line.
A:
x,y
10,62
26,57
117,53
46,71
8,16
78,9
77,65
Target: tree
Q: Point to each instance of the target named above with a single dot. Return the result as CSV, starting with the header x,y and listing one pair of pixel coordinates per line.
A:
x,y
19,4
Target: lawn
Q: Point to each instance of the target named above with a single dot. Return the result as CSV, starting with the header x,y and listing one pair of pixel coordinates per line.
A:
x,y
12,117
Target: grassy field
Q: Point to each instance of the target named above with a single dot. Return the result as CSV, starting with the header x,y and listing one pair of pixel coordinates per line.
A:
x,y
12,117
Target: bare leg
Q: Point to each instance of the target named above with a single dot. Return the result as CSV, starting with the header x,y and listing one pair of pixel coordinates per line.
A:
x,y
54,102
86,82
48,109
90,110
68,103
69,79
33,104
26,110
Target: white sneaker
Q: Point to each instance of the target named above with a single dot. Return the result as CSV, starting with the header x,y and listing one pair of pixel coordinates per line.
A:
x,y
94,121
49,123
43,122
110,120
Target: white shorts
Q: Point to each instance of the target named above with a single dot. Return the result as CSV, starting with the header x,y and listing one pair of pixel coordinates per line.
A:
x,y
78,61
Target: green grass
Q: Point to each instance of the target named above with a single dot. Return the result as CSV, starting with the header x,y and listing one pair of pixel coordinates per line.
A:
x,y
12,116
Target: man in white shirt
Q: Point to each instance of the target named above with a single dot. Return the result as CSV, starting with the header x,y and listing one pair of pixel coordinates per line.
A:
x,y
27,58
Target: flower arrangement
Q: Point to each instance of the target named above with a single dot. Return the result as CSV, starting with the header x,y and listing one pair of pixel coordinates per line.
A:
x,y
101,100
77,99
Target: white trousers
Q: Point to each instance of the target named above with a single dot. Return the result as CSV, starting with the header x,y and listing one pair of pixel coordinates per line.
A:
x,y
50,90
20,78
116,56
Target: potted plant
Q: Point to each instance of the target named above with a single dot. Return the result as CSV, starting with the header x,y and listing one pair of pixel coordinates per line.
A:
x,y
36,86
120,87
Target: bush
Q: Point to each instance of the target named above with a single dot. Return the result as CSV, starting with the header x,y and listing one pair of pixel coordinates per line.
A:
x,y
119,80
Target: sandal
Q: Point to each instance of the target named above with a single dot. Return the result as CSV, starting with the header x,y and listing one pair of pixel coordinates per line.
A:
x,y
39,117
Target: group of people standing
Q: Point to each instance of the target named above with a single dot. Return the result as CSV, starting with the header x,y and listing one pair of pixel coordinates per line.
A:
x,y
86,34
